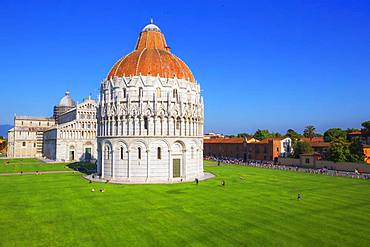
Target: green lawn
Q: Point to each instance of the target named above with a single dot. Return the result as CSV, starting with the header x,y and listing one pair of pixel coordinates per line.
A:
x,y
257,207
29,165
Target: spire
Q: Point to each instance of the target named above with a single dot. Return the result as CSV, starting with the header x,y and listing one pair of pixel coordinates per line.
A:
x,y
151,21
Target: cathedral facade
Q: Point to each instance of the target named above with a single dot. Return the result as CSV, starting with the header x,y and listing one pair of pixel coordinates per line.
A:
x,y
68,136
73,138
150,116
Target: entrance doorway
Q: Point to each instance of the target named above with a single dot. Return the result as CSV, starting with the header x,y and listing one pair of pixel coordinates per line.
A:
x,y
87,154
176,168
71,155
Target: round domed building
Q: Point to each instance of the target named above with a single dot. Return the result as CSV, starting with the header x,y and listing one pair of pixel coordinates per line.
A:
x,y
150,116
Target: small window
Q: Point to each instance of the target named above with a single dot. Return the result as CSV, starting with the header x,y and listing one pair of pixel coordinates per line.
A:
x,y
139,153
124,93
39,123
146,123
121,154
307,160
158,92
140,92
23,144
107,153
34,145
178,124
22,123
175,93
159,153
277,149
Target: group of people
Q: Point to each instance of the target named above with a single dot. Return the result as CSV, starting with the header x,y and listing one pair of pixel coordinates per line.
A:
x,y
274,165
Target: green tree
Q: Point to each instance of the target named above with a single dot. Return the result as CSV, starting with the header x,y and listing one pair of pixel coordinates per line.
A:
x,y
334,133
309,131
301,147
366,129
356,151
262,134
339,150
243,135
292,134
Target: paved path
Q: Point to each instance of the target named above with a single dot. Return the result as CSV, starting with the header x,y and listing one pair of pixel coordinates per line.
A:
x,y
27,173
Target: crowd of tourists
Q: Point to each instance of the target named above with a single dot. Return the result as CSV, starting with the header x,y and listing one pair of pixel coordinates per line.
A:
x,y
359,174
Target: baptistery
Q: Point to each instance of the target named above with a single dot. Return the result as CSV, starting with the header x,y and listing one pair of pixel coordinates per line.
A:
x,y
150,116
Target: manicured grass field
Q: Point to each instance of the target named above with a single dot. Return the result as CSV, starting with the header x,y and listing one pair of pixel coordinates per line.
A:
x,y
256,207
29,165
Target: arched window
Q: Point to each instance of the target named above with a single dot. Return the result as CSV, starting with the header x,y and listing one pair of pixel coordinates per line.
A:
x,y
121,153
158,92
107,153
175,93
178,123
159,153
140,92
146,123
139,153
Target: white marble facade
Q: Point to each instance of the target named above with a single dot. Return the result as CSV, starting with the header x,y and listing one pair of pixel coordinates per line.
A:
x,y
74,137
150,129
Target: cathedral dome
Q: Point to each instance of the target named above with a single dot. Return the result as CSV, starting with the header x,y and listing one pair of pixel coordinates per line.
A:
x,y
67,101
151,57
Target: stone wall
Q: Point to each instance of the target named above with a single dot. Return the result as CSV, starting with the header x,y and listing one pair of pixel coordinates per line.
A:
x,y
317,164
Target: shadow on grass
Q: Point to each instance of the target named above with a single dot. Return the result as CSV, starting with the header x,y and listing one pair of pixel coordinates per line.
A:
x,y
83,167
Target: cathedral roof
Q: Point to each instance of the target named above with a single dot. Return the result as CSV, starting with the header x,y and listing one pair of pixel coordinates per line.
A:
x,y
67,101
151,57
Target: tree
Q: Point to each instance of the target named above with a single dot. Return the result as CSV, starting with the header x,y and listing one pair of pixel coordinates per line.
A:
x,y
262,134
292,134
334,133
276,135
339,150
366,129
356,151
301,147
243,135
309,131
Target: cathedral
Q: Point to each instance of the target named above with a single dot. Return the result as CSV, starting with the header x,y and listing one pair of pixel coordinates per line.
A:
x,y
69,135
150,116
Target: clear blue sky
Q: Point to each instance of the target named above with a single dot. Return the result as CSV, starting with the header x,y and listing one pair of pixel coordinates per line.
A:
x,y
261,64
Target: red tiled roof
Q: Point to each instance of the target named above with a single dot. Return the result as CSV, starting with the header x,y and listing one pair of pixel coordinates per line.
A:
x,y
231,140
355,133
320,144
151,57
313,139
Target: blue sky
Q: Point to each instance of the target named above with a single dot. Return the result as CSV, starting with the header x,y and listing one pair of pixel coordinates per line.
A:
x,y
261,64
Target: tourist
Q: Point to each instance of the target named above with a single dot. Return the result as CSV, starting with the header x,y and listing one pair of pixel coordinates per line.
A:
x,y
92,190
196,181
223,183
299,197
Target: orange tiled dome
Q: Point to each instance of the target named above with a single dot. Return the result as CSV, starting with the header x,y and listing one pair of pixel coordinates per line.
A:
x,y
152,57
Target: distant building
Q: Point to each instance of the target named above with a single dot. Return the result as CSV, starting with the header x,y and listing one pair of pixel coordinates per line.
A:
x,y
313,139
247,148
74,137
25,139
70,135
213,135
366,149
